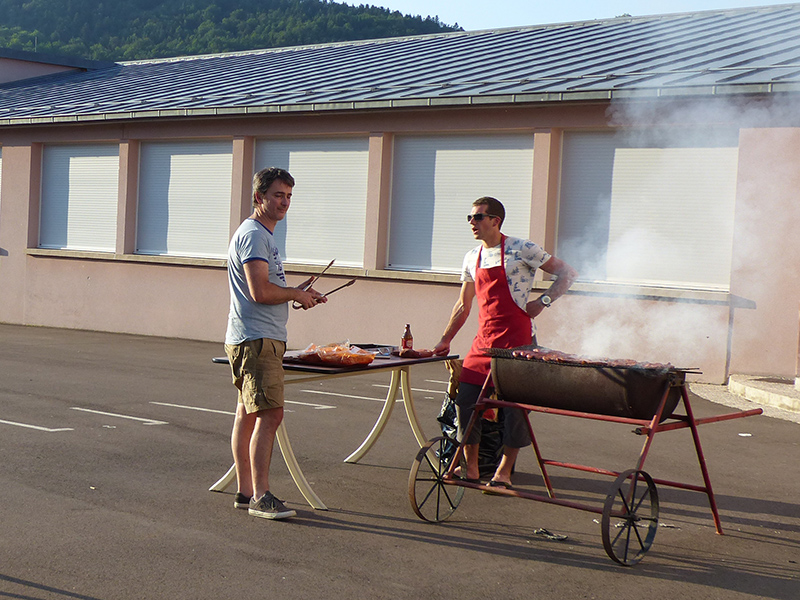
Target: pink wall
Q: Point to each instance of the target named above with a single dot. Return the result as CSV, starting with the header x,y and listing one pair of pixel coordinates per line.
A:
x,y
14,70
163,300
14,219
767,252
192,302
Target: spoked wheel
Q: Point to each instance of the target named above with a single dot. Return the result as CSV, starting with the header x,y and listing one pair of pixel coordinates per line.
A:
x,y
630,517
431,498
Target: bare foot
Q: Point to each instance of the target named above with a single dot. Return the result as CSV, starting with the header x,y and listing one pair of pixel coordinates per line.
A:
x,y
457,474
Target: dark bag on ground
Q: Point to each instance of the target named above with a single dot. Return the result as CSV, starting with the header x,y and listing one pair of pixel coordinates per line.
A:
x,y
490,450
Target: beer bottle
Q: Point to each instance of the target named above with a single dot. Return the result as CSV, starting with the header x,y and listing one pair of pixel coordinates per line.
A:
x,y
408,339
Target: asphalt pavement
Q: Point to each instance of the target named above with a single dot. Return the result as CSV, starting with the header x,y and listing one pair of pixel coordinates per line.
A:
x,y
110,442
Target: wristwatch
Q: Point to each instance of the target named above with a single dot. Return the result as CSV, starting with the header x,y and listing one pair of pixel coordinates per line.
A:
x,y
546,300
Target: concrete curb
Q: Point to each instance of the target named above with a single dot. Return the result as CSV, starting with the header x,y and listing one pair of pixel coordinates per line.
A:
x,y
770,391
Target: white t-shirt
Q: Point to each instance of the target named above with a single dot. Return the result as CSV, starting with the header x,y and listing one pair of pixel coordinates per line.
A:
x,y
522,258
248,319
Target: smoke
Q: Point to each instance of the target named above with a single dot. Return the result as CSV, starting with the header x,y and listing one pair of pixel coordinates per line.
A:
x,y
661,258
648,330
745,111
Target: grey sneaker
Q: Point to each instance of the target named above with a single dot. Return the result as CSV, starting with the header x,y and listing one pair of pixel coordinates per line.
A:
x,y
269,507
241,501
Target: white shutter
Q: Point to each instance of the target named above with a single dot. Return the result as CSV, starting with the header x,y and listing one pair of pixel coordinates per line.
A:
x,y
327,216
649,213
436,179
184,198
80,188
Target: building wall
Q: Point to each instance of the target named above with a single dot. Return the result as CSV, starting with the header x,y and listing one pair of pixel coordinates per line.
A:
x,y
766,276
14,70
188,297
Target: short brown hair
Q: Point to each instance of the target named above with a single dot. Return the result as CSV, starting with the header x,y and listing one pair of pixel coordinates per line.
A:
x,y
493,207
266,177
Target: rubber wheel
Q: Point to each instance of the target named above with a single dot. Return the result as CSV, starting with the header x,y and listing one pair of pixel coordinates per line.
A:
x,y
630,517
431,498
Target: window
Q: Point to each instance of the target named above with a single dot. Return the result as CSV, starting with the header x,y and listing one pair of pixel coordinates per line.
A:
x,y
80,188
434,182
652,208
185,198
327,217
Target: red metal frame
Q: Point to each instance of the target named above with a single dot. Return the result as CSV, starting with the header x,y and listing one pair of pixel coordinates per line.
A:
x,y
647,428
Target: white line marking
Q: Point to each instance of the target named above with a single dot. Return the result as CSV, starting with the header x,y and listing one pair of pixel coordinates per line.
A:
x,y
413,389
211,410
316,406
48,430
108,414
435,381
347,396
227,412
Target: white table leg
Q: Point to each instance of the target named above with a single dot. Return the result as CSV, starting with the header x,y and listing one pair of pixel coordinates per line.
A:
x,y
294,469
380,424
411,411
291,463
225,481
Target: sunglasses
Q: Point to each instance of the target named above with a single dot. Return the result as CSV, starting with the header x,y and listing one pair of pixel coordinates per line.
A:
x,y
480,217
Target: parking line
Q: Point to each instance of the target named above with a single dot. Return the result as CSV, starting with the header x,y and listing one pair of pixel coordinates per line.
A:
x,y
108,414
36,427
227,412
211,410
315,406
413,389
346,395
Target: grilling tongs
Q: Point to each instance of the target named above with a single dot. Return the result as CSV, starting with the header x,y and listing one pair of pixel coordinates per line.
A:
x,y
311,282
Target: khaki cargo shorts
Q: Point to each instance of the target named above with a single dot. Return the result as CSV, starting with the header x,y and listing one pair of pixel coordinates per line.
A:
x,y
257,370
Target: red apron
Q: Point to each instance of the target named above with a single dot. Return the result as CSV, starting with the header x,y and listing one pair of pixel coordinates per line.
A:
x,y
502,323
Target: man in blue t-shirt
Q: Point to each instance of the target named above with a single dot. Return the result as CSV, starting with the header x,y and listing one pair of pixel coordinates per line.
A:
x,y
255,340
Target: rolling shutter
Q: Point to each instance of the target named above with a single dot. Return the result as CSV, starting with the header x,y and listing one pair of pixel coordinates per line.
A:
x,y
80,187
184,198
327,216
649,212
436,179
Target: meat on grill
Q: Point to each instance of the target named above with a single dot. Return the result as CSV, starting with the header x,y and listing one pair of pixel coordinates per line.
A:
x,y
556,356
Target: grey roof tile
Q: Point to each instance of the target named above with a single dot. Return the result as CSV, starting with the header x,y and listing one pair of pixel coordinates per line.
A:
x,y
742,49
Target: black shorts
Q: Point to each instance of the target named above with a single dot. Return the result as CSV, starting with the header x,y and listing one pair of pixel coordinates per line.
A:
x,y
515,422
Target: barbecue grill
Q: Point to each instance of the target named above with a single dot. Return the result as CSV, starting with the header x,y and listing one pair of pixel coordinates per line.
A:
x,y
642,394
590,386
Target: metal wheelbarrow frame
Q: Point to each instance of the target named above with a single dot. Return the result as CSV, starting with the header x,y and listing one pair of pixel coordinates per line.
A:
x,y
630,512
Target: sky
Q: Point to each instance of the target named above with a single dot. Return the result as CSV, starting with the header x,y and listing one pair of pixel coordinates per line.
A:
x,y
485,14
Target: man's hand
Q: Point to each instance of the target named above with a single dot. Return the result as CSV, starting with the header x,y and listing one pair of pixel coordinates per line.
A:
x,y
565,277
306,283
308,298
534,308
441,349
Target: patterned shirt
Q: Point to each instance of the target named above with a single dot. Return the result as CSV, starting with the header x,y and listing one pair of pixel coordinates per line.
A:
x,y
522,258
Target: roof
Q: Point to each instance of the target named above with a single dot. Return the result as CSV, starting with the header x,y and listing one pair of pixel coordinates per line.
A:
x,y
751,50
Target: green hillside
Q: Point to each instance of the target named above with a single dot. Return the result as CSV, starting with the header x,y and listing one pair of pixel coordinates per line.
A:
x,y
139,29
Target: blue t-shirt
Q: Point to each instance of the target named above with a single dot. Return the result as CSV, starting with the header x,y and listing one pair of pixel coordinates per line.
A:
x,y
249,320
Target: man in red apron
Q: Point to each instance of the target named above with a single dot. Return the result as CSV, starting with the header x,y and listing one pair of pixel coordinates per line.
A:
x,y
499,273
